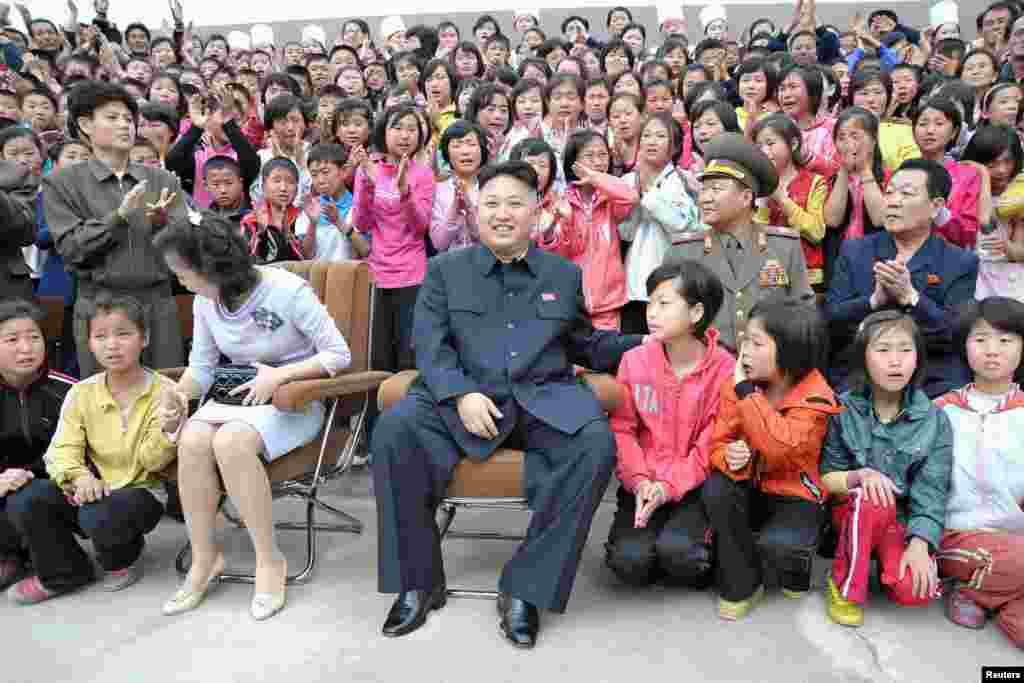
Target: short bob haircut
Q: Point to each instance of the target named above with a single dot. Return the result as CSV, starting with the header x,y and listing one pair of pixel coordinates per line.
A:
x,y
725,112
484,97
675,133
459,129
215,250
520,170
577,141
449,69
279,108
389,119
327,153
790,132
352,105
466,46
88,96
866,77
939,182
947,108
799,332
760,66
533,147
990,141
671,44
696,284
106,303
1001,312
813,83
617,44
20,309
870,329
525,86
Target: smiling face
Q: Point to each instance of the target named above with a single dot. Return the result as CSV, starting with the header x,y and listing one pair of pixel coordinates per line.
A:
x,y
890,358
507,213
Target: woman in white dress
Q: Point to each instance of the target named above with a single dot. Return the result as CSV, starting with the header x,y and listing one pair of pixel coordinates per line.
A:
x,y
261,316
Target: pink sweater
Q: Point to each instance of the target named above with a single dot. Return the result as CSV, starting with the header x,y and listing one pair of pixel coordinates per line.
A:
x,y
397,225
663,429
962,227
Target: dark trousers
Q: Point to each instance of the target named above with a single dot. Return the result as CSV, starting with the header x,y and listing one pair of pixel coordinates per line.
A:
x,y
634,318
788,531
116,524
675,544
392,328
11,545
565,477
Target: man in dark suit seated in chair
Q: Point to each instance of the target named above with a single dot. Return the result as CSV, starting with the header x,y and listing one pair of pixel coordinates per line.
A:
x,y
497,329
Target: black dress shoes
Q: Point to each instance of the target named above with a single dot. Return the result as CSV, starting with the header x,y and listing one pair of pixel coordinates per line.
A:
x,y
411,609
520,622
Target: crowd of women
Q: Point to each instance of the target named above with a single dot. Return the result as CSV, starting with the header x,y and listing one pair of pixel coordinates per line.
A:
x,y
162,163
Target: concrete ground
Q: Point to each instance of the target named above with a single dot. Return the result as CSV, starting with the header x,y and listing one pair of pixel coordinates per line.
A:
x,y
330,630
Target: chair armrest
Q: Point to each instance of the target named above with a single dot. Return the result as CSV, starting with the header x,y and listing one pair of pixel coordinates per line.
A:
x,y
294,396
395,389
173,373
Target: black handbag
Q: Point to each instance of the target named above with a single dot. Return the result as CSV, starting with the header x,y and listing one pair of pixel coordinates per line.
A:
x,y
227,378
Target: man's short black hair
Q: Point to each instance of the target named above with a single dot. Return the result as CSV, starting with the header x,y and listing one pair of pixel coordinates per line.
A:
x,y
280,79
327,153
575,17
696,283
954,48
520,170
136,26
939,183
161,113
707,44
279,108
459,129
222,162
799,332
613,10
88,96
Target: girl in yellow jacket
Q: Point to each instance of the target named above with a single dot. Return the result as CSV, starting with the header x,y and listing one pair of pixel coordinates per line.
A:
x,y
112,440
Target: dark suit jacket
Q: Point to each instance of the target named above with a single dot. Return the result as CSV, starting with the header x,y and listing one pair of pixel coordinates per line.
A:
x,y
513,334
943,274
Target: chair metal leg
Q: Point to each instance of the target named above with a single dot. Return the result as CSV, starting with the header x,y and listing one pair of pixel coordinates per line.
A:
x,y
448,510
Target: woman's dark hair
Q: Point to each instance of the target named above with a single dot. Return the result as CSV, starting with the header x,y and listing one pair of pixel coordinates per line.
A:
x,y
938,181
799,332
427,36
506,76
725,112
634,26
696,284
449,24
279,108
990,141
524,86
458,130
813,83
215,250
873,327
532,147
758,65
19,309
558,79
466,46
690,68
106,303
1001,312
484,97
866,77
613,10
947,108
449,69
675,133
699,92
577,141
282,80
671,44
400,58
464,84
617,44
869,123
961,94
537,64
990,94
350,105
484,19
389,119
790,132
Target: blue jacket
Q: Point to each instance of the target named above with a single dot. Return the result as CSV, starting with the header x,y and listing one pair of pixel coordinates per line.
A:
x,y
943,274
511,332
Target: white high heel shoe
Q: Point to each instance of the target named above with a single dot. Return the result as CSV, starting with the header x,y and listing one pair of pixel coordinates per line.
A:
x,y
186,599
266,605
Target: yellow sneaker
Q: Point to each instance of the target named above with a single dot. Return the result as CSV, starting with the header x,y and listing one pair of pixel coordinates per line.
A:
x,y
734,611
794,595
841,610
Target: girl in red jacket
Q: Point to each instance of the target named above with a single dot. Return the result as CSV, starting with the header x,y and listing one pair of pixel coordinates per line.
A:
x,y
663,431
587,230
765,451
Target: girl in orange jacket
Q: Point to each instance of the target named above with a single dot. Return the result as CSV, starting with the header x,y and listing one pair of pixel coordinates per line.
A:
x,y
765,452
587,229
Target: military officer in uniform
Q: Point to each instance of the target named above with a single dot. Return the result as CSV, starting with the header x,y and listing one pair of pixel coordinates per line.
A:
x,y
752,261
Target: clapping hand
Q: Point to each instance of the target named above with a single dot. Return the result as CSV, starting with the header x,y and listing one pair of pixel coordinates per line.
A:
x,y
133,200
894,276
156,213
402,180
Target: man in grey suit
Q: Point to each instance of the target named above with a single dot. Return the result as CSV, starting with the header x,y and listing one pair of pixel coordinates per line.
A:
x,y
498,327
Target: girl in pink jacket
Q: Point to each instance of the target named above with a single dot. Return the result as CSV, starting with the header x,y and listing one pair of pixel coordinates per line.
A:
x,y
587,227
663,431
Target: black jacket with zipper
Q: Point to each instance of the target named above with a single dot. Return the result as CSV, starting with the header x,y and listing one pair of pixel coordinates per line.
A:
x,y
28,420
